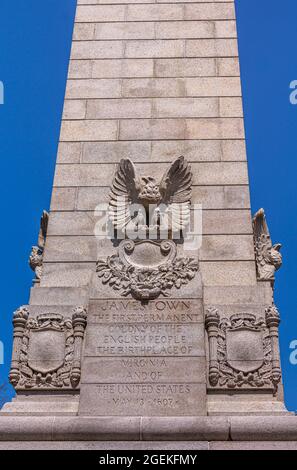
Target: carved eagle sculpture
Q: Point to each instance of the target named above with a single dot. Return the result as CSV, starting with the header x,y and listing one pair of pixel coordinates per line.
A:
x,y
164,204
268,256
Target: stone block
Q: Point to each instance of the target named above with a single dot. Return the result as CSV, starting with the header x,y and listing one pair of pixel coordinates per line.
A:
x,y
228,67
25,428
153,129
97,49
63,199
119,109
88,130
80,89
80,69
185,428
226,222
83,31
211,48
142,370
69,152
75,109
185,107
125,68
234,295
67,274
216,86
225,29
220,273
112,152
281,428
149,88
227,248
171,310
184,29
94,13
59,296
91,429
144,339
154,12
199,150
232,128
231,107
185,67
233,150
129,30
210,11
156,48
143,399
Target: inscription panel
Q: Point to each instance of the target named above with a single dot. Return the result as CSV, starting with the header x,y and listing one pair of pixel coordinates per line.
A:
x,y
142,339
155,311
143,399
144,370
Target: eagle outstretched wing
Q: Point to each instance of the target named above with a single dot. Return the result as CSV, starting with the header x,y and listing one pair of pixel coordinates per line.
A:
x,y
267,254
124,191
261,231
176,191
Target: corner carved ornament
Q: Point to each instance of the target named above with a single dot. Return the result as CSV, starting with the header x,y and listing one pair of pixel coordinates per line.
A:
x,y
36,256
243,350
268,256
147,268
47,350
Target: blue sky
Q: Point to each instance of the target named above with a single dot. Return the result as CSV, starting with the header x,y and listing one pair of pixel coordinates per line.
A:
x,y
35,40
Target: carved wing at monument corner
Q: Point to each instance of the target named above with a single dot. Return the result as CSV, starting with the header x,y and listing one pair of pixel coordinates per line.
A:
x,y
36,256
268,256
166,203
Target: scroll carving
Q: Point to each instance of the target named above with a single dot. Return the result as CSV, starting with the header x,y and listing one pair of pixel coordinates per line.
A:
x,y
47,350
243,350
36,256
268,256
164,271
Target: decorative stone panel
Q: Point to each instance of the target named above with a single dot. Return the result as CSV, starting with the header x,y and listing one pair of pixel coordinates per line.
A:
x,y
243,350
47,350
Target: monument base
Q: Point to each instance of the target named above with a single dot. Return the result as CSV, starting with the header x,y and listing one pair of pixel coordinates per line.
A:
x,y
131,433
43,404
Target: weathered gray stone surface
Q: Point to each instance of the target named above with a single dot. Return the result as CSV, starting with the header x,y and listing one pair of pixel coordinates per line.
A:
x,y
149,81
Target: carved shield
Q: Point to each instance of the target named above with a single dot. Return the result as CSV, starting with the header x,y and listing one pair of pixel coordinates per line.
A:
x,y
46,350
245,351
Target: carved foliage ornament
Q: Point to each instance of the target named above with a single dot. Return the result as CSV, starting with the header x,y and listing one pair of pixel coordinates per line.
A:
x,y
146,269
243,350
47,350
36,256
268,256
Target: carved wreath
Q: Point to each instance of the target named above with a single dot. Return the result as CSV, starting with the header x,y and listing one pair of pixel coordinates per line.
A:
x,y
145,283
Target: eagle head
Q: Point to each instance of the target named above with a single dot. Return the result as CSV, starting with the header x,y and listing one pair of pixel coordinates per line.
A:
x,y
150,191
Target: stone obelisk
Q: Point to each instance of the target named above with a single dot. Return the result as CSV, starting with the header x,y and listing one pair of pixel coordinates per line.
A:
x,y
138,337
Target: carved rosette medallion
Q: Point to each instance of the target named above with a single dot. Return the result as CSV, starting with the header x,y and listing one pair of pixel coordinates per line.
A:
x,y
47,350
243,350
146,269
